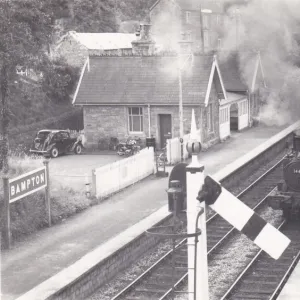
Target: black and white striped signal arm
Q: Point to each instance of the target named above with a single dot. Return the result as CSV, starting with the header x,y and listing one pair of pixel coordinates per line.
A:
x,y
243,218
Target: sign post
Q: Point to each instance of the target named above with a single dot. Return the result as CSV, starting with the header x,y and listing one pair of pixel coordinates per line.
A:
x,y
6,233
47,192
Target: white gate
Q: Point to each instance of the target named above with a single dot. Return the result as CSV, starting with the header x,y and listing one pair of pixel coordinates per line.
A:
x,y
243,114
224,122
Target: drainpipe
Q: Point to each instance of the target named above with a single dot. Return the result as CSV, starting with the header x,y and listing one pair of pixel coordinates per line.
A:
x,y
149,121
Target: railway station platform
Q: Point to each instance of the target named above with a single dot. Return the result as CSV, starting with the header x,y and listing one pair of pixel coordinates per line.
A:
x,y
51,250
291,290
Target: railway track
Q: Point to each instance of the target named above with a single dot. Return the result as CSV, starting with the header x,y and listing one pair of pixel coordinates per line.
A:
x,y
264,277
158,280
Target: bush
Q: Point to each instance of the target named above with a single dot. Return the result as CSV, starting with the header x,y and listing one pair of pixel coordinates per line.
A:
x,y
29,214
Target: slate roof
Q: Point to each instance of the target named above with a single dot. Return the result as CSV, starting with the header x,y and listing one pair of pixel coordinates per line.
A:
x,y
143,80
231,74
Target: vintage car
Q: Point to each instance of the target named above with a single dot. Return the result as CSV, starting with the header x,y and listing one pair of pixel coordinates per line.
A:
x,y
52,143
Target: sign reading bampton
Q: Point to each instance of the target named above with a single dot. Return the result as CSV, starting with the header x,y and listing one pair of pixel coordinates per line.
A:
x,y
27,184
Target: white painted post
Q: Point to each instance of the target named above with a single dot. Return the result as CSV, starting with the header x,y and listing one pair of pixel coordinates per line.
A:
x,y
195,178
87,186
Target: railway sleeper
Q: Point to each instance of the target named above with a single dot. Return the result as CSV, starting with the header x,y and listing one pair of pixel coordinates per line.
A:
x,y
168,269
254,281
152,291
158,278
264,289
249,297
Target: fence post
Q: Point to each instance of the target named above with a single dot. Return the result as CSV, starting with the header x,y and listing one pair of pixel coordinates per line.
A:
x,y
47,192
94,183
6,236
87,186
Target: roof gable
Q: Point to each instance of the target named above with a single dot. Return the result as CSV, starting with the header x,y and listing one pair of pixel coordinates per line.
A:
x,y
143,80
258,73
231,75
215,74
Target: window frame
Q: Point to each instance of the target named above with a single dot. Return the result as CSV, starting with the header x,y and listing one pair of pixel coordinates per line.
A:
x,y
207,40
188,17
140,115
219,43
205,21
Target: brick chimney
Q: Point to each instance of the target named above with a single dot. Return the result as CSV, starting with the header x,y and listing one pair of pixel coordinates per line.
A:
x,y
144,45
185,44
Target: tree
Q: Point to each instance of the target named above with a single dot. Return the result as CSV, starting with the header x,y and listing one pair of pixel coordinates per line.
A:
x,y
26,28
59,80
91,16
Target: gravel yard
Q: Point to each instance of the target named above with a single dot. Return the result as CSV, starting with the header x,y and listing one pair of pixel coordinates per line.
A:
x,y
223,269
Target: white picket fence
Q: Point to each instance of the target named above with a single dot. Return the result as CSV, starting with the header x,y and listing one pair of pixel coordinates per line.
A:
x,y
114,177
174,148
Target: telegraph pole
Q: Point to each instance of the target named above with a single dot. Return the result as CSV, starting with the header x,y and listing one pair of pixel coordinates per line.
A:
x,y
237,27
201,29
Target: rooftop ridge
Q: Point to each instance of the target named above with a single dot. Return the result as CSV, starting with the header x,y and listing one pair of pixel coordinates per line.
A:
x,y
128,53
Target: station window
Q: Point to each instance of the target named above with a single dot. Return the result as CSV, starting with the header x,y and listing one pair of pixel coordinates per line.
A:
x,y
224,115
219,44
188,17
206,39
243,109
205,21
135,119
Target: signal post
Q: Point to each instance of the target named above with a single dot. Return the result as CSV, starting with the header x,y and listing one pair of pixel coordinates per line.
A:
x,y
197,262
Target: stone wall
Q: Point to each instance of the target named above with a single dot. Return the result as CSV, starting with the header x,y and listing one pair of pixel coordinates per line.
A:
x,y
103,122
211,137
74,53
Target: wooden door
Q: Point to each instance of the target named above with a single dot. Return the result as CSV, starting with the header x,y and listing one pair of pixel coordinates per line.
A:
x,y
165,125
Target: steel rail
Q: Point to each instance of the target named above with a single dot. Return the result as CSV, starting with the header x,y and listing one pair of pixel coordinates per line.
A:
x,y
285,277
230,290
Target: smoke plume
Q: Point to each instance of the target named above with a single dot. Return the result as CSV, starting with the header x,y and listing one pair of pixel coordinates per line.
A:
x,y
270,27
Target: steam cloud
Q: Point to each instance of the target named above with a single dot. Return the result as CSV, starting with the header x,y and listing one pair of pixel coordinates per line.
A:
x,y
269,26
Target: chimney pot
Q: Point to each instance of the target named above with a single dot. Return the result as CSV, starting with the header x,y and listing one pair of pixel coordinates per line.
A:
x,y
144,45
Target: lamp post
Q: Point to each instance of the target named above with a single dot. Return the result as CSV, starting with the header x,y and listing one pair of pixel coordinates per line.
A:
x,y
181,133
181,66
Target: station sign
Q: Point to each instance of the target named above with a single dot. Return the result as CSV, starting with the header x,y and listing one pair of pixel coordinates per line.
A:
x,y
27,184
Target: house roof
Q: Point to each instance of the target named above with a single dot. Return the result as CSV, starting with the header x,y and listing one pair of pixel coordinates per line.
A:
x,y
231,74
103,41
142,80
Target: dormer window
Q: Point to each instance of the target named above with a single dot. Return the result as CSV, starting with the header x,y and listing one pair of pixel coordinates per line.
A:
x,y
188,17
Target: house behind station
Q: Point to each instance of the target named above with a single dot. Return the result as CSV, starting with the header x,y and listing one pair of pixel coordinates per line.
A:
x,y
74,47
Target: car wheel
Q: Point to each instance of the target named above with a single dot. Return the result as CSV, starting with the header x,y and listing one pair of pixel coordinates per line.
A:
x,y
78,149
54,152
